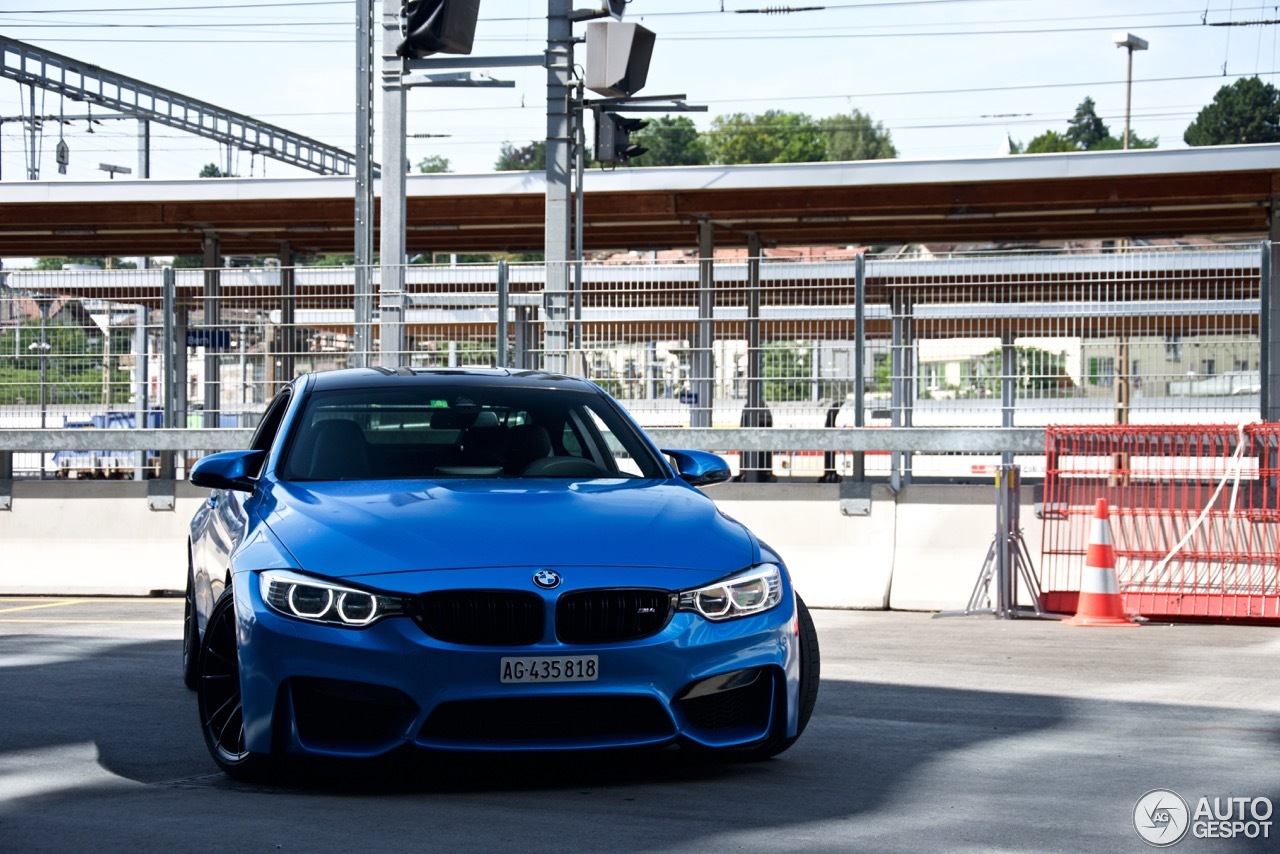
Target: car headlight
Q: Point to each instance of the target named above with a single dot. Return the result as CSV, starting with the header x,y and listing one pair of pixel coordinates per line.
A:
x,y
317,601
751,592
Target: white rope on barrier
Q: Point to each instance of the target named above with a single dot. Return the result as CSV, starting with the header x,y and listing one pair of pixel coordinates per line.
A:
x,y
1233,468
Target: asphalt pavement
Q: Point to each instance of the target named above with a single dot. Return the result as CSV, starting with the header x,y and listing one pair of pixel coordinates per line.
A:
x,y
964,734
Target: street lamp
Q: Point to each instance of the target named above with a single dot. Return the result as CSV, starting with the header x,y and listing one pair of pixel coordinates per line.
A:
x,y
1132,43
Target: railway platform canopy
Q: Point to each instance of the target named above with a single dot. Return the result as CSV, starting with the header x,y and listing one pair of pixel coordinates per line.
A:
x,y
1227,190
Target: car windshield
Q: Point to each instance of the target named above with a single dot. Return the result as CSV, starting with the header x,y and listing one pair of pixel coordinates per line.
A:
x,y
462,431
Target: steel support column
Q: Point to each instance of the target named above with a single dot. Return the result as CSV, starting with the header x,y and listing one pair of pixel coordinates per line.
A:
x,y
755,355
756,466
362,330
703,361
501,358
1269,363
288,338
902,375
168,363
859,359
212,320
140,407
1008,385
555,331
144,148
522,358
392,237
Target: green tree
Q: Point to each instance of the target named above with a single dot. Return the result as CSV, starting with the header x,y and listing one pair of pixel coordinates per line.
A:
x,y
1037,371
211,170
856,137
1113,143
434,163
785,365
672,141
1247,111
775,136
1085,132
528,158
330,261
59,263
100,263
1047,142
1085,129
73,365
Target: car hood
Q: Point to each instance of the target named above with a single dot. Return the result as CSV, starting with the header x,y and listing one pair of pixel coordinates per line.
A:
x,y
354,529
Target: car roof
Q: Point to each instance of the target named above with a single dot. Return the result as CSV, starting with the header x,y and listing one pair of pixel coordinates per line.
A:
x,y
403,377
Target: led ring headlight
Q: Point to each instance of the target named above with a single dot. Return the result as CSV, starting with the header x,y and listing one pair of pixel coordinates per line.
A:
x,y
751,592
315,601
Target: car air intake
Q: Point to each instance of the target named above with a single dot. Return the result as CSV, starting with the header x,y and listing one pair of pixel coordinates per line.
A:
x,y
561,720
606,616
482,617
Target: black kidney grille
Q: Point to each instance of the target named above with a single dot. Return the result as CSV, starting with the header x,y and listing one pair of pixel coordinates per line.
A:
x,y
604,616
482,617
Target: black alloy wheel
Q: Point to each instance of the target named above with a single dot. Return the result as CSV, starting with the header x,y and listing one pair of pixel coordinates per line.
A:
x,y
218,691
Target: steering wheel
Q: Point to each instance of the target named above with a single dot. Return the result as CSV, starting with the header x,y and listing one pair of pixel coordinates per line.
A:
x,y
562,467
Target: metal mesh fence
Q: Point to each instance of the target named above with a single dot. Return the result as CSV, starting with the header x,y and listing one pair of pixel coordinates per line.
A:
x,y
1134,335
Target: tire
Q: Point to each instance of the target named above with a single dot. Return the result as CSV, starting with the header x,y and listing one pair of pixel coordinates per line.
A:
x,y
190,635
810,679
218,693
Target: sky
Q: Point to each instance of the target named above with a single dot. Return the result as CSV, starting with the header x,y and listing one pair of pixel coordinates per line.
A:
x,y
947,78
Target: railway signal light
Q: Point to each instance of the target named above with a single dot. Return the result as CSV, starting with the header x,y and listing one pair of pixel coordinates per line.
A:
x,y
613,138
438,26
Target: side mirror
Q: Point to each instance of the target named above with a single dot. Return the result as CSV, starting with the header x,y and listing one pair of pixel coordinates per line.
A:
x,y
227,470
699,468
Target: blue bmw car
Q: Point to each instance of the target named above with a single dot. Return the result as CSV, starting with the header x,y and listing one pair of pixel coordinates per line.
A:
x,y
479,560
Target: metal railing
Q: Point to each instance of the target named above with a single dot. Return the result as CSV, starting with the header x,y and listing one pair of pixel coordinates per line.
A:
x,y
905,347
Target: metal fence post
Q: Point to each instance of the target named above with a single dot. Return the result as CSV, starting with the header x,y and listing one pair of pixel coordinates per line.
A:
x,y
859,359
1008,384
1268,323
900,379
168,364
212,319
704,383
392,236
504,295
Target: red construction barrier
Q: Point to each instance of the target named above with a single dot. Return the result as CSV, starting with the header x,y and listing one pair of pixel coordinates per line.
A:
x,y
1194,515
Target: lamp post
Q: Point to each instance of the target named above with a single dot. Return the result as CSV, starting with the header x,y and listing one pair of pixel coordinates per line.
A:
x,y
1132,43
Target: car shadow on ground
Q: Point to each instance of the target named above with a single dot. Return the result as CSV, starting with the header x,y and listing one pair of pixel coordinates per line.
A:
x,y
915,758
128,700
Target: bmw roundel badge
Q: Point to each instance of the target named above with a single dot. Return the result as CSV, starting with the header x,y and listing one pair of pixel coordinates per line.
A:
x,y
547,579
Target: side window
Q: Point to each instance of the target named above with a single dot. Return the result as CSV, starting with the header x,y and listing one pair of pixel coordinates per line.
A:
x,y
265,435
569,441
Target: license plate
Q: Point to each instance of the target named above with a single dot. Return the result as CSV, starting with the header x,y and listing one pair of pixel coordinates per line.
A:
x,y
560,668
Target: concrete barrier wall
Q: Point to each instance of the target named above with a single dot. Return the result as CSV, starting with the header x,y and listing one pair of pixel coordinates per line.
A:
x,y
921,549
93,538
837,561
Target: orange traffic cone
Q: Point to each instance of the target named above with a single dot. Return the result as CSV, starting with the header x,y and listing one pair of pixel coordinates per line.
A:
x,y
1100,602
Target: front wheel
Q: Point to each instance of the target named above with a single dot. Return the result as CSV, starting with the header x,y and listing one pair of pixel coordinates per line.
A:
x,y
810,677
218,692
